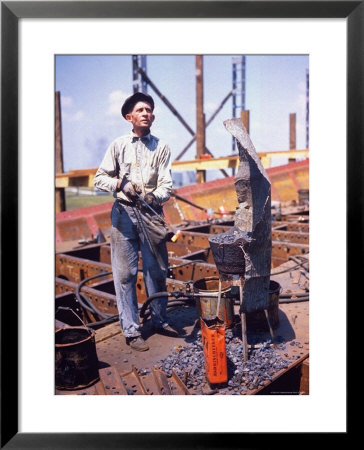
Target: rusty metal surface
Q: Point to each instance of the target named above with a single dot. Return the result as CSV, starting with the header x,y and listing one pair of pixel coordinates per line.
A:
x,y
301,227
83,223
190,259
290,236
77,269
132,382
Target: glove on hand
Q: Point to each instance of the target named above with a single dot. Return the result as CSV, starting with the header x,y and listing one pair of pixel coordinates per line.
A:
x,y
151,200
129,189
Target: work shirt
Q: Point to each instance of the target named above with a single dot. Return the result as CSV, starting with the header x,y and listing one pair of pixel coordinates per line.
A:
x,y
145,161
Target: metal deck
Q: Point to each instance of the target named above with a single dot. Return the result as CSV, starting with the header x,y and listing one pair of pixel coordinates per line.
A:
x,y
126,372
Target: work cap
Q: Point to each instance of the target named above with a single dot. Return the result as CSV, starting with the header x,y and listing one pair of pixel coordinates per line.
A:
x,y
131,101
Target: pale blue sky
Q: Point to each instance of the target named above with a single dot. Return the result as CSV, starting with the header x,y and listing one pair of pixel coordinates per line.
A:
x,y
93,88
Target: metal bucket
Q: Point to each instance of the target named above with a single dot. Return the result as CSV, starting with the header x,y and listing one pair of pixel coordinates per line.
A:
x,y
206,306
257,319
227,251
76,358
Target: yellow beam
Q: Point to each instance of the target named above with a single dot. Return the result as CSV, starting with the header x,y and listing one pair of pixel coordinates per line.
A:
x,y
85,177
208,163
285,154
233,161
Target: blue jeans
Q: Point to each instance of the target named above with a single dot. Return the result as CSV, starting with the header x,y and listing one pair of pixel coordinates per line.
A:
x,y
126,240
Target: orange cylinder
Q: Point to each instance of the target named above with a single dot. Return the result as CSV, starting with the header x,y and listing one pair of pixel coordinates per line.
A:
x,y
213,341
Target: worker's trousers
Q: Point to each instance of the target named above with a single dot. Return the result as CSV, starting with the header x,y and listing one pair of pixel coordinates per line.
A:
x,y
126,239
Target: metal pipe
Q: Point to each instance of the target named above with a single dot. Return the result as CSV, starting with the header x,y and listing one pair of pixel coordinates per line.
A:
x,y
270,327
243,325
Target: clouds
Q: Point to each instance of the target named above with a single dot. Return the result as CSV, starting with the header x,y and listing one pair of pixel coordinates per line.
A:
x,y
73,117
94,89
68,112
115,100
66,101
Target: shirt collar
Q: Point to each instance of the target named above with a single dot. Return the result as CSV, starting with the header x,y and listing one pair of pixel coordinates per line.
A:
x,y
134,137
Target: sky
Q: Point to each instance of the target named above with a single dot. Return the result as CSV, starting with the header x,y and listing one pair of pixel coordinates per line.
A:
x,y
93,88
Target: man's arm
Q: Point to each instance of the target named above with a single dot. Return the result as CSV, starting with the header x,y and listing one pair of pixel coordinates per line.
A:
x,y
164,184
106,178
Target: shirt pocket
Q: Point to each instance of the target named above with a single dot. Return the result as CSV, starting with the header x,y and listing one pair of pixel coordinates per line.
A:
x,y
124,169
152,178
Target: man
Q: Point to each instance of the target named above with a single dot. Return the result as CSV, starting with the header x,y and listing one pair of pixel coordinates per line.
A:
x,y
137,166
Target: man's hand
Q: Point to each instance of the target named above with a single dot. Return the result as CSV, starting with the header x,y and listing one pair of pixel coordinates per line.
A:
x,y
151,200
129,189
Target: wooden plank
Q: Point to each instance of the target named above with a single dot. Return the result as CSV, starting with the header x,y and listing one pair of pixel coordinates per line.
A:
x,y
107,332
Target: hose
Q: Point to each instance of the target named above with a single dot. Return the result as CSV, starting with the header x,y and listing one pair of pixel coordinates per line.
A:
x,y
295,259
85,302
182,298
187,263
300,294
170,305
108,318
295,300
158,295
289,269
103,322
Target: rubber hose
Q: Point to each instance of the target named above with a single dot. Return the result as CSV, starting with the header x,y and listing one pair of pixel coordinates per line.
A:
x,y
285,300
170,305
103,322
295,300
83,304
295,259
187,263
289,269
92,308
157,295
300,294
150,298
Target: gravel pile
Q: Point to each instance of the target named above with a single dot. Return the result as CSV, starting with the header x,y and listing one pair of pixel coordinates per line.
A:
x,y
263,362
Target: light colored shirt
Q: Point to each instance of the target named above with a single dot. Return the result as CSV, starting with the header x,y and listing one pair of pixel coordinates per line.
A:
x,y
145,161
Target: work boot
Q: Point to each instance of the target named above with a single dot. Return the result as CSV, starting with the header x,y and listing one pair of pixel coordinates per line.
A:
x,y
166,330
137,343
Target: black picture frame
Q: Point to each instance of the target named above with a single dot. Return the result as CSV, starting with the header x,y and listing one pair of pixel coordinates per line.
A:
x,y
11,13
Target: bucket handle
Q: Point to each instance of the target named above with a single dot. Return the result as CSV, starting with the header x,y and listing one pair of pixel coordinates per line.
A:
x,y
66,308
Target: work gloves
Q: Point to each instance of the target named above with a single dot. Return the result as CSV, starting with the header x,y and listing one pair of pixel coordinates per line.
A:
x,y
132,191
129,189
151,200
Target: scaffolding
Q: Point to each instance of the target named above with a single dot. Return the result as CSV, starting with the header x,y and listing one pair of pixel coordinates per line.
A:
x,y
139,83
238,88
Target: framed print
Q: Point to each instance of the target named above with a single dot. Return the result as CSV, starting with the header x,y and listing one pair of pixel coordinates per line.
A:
x,y
32,33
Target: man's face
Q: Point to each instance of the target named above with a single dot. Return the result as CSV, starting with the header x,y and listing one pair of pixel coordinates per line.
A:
x,y
141,117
